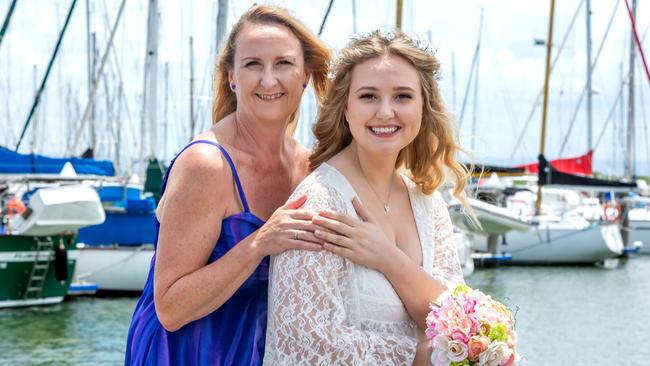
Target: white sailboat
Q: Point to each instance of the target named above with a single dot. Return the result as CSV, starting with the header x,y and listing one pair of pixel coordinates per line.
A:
x,y
560,234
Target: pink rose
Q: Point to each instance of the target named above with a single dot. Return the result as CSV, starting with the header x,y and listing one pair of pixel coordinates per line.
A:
x,y
476,346
459,335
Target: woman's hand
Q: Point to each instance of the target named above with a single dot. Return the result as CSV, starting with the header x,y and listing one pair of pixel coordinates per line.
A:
x,y
288,228
362,242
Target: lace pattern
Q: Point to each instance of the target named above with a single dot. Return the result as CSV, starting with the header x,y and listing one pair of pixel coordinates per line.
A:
x,y
326,310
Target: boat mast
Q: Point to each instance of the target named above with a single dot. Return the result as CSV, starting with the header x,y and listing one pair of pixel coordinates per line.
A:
x,y
5,24
398,15
475,101
630,105
589,93
100,71
549,44
150,89
354,16
222,19
47,74
36,114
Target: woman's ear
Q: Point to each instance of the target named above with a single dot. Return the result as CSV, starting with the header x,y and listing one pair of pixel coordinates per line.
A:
x,y
231,80
306,79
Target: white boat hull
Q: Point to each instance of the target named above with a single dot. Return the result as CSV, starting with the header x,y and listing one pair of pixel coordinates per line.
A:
x,y
563,243
114,268
59,209
639,221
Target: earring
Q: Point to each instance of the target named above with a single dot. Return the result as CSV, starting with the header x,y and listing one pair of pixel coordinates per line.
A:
x,y
232,86
304,85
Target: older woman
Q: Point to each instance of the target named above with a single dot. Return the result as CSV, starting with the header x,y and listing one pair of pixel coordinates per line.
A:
x,y
222,212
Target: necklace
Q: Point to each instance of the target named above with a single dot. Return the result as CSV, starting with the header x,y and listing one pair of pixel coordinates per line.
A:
x,y
390,188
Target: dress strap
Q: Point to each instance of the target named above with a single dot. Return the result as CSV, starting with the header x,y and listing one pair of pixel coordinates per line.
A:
x,y
235,176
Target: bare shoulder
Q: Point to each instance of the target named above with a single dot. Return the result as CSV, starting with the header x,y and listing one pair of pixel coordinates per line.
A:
x,y
201,175
200,161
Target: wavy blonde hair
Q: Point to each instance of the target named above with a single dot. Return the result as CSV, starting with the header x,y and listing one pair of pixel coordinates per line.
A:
x,y
433,151
316,54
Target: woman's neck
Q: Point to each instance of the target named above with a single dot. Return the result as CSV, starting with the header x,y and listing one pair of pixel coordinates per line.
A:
x,y
377,169
264,138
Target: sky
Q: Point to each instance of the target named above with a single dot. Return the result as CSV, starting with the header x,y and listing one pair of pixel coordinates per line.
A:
x,y
510,73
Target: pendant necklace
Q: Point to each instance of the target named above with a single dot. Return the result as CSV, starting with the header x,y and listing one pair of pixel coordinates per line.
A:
x,y
390,187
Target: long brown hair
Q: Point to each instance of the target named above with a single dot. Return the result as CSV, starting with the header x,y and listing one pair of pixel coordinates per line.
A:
x,y
433,151
316,54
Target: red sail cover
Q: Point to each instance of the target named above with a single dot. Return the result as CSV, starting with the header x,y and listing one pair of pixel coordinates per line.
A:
x,y
579,165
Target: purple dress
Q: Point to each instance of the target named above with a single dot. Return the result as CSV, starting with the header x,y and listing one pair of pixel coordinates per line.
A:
x,y
231,335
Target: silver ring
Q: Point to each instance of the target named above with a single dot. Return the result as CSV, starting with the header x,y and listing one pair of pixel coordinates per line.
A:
x,y
295,235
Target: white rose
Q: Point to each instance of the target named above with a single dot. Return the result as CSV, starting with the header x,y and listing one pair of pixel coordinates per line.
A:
x,y
446,350
456,351
494,355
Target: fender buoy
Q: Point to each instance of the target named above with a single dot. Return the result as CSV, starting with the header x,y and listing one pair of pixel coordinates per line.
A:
x,y
612,211
15,206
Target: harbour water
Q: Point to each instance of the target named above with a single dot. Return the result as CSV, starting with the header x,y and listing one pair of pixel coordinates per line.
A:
x,y
565,316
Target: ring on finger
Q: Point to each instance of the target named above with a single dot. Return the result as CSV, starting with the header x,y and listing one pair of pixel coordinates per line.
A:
x,y
295,235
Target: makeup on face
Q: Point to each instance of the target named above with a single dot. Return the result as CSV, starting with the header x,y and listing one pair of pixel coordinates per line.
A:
x,y
269,71
384,106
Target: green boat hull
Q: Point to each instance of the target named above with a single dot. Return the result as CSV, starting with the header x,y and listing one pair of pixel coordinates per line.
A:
x,y
20,259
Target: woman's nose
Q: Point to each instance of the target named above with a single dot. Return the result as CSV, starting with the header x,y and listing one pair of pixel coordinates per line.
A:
x,y
269,78
385,110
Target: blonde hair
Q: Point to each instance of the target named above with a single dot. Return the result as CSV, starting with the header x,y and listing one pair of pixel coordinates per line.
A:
x,y
316,54
433,151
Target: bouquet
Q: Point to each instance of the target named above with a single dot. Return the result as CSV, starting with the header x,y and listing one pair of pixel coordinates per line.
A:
x,y
469,328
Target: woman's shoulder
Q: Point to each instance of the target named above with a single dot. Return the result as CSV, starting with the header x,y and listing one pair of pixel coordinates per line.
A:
x,y
325,186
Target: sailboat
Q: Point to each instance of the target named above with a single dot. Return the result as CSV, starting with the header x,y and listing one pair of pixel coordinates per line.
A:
x,y
37,239
541,235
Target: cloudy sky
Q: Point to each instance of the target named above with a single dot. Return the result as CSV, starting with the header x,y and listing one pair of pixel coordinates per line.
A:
x,y
510,72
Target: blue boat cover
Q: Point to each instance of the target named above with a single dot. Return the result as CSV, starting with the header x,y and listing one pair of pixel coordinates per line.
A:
x,y
14,163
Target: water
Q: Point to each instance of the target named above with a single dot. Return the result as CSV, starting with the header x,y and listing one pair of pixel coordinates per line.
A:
x,y
566,316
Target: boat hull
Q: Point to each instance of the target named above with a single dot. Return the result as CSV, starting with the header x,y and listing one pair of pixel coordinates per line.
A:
x,y
18,255
114,267
563,244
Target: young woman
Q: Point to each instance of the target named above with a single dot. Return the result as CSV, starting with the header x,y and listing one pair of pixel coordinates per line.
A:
x,y
205,301
385,144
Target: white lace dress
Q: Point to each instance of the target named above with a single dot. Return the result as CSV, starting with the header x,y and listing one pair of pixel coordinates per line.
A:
x,y
327,310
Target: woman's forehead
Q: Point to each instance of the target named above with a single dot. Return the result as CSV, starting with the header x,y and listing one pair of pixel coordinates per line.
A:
x,y
264,38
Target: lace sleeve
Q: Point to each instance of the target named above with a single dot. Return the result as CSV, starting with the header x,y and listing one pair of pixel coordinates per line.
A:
x,y
446,265
311,320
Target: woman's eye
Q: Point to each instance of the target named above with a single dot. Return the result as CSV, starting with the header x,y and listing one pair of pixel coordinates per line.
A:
x,y
251,63
403,96
285,62
367,96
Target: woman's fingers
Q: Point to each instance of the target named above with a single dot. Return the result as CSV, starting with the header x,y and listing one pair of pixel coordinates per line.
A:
x,y
308,236
294,204
341,217
343,252
333,225
332,238
302,214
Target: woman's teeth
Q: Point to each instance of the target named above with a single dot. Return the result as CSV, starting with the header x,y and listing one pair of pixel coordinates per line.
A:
x,y
383,130
269,96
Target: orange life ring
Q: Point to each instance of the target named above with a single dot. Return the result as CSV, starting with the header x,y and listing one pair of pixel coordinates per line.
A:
x,y
612,211
15,206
